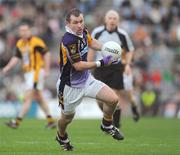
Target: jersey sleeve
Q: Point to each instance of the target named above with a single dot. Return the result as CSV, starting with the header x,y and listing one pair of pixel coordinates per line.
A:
x,y
17,53
127,42
130,45
93,34
41,46
73,52
42,50
89,38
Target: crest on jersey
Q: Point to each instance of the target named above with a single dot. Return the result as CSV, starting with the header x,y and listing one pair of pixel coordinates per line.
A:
x,y
73,48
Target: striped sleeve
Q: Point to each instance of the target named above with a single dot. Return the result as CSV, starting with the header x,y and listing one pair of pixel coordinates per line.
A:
x,y
128,42
17,53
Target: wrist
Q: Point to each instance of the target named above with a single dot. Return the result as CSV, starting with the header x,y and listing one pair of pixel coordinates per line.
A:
x,y
98,64
128,64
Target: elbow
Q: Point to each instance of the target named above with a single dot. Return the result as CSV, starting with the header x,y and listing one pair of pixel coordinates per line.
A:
x,y
78,66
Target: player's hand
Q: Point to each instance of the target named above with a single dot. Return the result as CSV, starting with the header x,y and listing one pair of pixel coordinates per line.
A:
x,y
106,60
115,61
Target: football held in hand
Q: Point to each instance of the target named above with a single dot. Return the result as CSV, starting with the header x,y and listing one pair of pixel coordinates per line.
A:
x,y
112,48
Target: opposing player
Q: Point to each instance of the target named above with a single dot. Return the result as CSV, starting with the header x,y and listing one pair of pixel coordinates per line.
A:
x,y
117,76
76,82
35,58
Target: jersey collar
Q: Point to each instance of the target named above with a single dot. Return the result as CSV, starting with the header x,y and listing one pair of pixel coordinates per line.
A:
x,y
115,30
72,32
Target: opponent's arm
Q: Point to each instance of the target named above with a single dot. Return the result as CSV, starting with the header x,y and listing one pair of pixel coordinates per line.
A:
x,y
129,57
14,60
47,62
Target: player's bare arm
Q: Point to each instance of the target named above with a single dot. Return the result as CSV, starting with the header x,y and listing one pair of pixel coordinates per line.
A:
x,y
14,60
95,46
129,57
84,65
91,55
47,60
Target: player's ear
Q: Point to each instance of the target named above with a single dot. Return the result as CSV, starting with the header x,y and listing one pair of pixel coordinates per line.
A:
x,y
66,22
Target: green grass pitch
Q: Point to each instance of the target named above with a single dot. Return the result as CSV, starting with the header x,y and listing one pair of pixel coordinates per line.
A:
x,y
150,136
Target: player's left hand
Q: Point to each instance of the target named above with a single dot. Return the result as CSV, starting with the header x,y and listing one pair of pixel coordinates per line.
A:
x,y
107,60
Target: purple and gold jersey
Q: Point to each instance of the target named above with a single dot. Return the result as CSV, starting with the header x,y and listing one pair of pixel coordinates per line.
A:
x,y
74,49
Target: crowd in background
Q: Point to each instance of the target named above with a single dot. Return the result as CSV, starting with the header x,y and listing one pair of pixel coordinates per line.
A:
x,y
153,25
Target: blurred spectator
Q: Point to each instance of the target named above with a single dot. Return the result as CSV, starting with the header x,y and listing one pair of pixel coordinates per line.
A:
x,y
149,102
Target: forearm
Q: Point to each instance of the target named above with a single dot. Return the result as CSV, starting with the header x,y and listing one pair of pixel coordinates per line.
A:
x,y
11,64
91,55
96,45
129,58
47,60
84,65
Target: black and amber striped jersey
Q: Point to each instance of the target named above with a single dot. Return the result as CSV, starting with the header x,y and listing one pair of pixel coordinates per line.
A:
x,y
31,53
74,49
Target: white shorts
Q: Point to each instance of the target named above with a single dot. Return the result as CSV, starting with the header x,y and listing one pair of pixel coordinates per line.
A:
x,y
72,97
29,80
128,81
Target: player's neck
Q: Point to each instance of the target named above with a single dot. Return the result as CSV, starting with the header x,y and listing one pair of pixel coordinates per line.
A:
x,y
27,39
109,29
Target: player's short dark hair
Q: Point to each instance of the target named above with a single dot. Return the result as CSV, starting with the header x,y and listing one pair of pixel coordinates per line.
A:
x,y
75,12
25,24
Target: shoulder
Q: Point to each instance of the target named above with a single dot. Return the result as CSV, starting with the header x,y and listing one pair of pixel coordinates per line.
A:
x,y
36,39
19,43
98,29
85,31
69,39
122,31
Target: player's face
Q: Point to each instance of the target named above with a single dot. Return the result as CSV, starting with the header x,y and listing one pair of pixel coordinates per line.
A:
x,y
111,21
76,24
24,32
